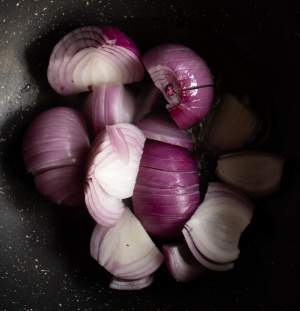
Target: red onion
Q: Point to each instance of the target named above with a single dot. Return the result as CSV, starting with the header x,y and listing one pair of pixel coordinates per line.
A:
x,y
162,156
181,263
185,81
125,250
164,198
56,138
108,105
54,149
63,185
213,232
104,208
91,56
159,126
120,284
112,169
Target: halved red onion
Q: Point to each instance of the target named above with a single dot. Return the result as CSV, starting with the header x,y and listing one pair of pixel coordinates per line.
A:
x,y
56,138
63,185
120,284
90,56
213,232
125,250
108,105
165,198
160,126
114,160
181,263
185,81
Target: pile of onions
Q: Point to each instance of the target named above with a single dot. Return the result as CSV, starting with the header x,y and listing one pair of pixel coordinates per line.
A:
x,y
109,105
213,232
151,162
54,150
91,56
167,189
185,81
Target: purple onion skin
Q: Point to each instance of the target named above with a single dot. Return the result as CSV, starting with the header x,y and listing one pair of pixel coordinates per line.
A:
x,y
62,186
120,39
56,138
185,81
55,148
164,199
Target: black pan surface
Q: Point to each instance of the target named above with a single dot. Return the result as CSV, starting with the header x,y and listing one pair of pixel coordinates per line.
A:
x,y
252,46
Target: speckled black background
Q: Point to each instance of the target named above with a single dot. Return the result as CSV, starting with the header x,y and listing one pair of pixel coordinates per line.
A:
x,y
44,255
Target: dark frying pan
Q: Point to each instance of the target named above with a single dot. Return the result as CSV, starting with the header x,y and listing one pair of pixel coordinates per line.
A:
x,y
251,47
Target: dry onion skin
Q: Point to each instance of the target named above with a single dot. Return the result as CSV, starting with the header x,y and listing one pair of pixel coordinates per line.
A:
x,y
256,173
231,125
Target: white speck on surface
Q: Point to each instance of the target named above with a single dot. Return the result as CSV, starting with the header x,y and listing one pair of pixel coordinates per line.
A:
x,y
17,4
87,3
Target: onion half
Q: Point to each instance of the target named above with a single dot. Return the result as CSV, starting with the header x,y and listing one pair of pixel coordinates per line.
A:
x,y
112,169
184,79
213,232
125,250
90,56
165,197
